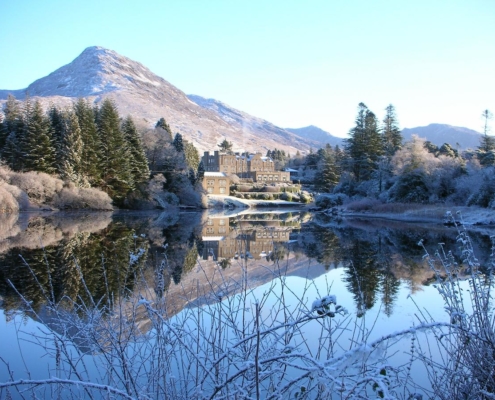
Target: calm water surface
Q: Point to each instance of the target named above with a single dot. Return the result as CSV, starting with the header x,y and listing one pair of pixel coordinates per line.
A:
x,y
373,267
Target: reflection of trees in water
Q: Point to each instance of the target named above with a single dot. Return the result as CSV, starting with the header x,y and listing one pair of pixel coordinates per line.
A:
x,y
55,271
377,258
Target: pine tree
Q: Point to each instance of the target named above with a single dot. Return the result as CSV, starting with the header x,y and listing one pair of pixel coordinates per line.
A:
x,y
91,155
486,149
72,146
57,123
392,137
178,143
365,145
138,162
116,171
192,155
39,148
13,127
226,146
327,175
162,124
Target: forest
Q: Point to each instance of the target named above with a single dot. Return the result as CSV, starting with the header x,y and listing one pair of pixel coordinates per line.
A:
x,y
88,156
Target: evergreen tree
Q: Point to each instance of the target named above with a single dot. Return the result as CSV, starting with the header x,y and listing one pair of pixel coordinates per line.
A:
x,y
138,162
91,155
392,137
13,131
162,124
486,149
57,123
39,148
327,176
365,145
178,143
71,165
226,146
192,156
116,171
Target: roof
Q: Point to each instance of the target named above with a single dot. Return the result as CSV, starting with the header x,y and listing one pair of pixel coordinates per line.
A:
x,y
216,174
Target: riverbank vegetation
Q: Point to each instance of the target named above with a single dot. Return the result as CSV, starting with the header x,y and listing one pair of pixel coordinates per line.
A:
x,y
375,164
88,156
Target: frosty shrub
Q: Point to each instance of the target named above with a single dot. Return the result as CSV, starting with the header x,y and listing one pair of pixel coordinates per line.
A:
x,y
73,197
462,367
188,196
306,198
8,203
40,187
286,196
20,196
330,200
410,188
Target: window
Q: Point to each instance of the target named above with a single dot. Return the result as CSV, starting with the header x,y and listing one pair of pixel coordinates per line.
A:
x,y
222,222
222,190
209,230
209,222
221,230
222,182
210,182
210,190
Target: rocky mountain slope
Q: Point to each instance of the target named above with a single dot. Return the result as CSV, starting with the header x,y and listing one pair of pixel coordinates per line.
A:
x,y
439,134
99,73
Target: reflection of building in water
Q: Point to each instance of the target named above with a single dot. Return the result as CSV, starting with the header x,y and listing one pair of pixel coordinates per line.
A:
x,y
225,237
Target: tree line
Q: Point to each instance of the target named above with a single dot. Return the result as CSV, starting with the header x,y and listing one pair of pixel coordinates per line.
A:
x,y
375,163
91,145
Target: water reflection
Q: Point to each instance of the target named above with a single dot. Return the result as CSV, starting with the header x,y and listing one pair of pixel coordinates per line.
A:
x,y
189,257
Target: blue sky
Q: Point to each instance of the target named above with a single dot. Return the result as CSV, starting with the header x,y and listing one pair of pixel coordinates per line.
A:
x,y
293,63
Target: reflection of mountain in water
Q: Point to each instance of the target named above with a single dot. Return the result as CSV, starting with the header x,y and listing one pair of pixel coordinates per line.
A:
x,y
192,259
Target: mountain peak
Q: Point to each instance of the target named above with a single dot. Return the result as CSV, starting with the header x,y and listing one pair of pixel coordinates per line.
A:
x,y
94,72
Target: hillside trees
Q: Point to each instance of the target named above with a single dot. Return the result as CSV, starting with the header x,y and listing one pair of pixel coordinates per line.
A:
x,y
164,128
116,174
39,148
84,144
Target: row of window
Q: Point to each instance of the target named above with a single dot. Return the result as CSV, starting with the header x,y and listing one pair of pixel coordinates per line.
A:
x,y
222,190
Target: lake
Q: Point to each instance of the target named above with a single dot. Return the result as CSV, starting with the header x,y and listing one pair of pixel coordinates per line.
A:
x,y
222,277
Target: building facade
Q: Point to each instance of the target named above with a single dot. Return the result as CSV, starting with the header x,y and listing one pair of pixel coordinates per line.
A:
x,y
253,166
216,183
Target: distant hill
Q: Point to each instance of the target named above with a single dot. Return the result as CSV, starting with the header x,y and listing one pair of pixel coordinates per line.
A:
x,y
245,121
439,134
99,73
317,134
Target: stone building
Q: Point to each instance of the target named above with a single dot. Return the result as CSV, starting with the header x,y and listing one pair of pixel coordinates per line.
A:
x,y
244,165
216,183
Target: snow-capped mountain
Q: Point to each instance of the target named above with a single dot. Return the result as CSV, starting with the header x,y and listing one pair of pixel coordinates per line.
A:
x,y
99,73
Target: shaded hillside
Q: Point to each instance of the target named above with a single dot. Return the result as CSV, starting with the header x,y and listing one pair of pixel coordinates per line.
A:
x,y
438,134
